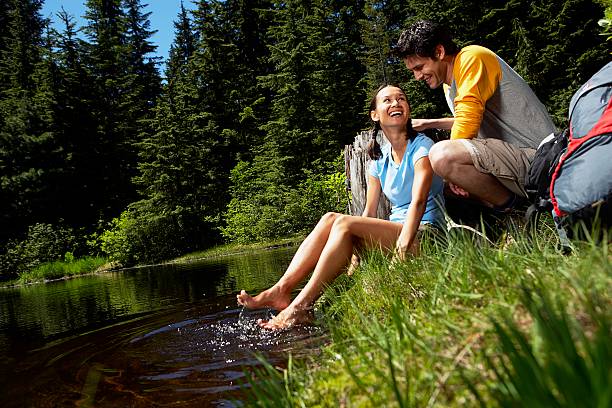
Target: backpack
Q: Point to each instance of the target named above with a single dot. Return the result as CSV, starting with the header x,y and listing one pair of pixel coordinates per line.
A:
x,y
571,174
545,160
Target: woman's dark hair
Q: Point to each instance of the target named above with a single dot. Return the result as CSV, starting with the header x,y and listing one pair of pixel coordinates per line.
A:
x,y
422,38
373,148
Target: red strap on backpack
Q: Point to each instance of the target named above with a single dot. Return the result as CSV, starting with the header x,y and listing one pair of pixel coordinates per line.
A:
x,y
603,126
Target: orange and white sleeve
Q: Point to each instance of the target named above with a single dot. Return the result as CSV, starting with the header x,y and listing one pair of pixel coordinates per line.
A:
x,y
477,73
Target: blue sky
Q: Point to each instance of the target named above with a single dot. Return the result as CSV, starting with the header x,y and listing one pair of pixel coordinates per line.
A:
x,y
164,12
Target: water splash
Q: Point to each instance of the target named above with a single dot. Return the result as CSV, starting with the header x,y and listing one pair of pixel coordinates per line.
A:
x,y
226,339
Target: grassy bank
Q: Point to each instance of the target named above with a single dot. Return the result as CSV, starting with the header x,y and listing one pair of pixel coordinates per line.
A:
x,y
233,249
61,269
513,324
74,267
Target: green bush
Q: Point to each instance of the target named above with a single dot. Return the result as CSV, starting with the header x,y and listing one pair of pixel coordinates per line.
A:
x,y
318,194
142,235
258,195
116,242
606,22
264,206
43,243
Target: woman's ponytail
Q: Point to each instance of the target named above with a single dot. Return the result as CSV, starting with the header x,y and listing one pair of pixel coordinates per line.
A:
x,y
411,133
373,149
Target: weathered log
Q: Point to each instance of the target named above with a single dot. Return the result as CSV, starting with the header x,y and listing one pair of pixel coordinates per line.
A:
x,y
357,165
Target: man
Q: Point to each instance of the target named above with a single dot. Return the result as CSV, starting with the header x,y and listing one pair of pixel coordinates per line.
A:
x,y
498,121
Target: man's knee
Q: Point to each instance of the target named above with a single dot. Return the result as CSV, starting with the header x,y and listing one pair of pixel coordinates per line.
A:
x,y
445,155
440,156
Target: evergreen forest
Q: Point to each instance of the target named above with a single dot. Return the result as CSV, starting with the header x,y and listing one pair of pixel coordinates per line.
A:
x,y
105,149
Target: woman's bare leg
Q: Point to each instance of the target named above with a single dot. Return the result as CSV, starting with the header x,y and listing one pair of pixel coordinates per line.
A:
x,y
334,258
303,262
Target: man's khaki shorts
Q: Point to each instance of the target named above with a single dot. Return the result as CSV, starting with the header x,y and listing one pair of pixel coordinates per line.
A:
x,y
508,163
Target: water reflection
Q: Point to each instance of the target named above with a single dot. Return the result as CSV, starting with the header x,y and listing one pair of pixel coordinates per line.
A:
x,y
148,336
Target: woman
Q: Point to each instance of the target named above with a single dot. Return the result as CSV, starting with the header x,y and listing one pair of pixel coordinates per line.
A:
x,y
403,172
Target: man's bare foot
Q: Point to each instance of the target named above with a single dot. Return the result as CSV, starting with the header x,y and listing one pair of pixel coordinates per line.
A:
x,y
273,297
286,318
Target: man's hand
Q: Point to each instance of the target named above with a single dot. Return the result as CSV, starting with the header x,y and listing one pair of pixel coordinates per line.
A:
x,y
458,190
419,124
440,123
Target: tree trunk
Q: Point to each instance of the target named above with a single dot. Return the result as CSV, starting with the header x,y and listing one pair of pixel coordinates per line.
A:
x,y
357,166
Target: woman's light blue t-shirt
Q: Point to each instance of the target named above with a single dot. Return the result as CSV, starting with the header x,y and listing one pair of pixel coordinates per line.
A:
x,y
396,181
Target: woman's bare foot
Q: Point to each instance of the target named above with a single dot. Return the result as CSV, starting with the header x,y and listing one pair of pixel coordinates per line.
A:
x,y
273,297
286,318
355,261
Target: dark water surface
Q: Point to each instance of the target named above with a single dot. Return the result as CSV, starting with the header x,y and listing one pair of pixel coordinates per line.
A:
x,y
156,336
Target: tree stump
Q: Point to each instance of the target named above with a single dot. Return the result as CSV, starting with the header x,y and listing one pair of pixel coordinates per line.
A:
x,y
357,166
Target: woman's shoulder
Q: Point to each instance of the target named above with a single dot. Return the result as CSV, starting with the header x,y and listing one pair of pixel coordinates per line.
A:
x,y
421,140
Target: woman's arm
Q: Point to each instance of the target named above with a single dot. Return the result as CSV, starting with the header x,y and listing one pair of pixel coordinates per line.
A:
x,y
421,185
372,197
440,123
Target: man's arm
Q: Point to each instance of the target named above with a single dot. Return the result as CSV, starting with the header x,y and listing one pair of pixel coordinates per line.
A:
x,y
477,74
440,123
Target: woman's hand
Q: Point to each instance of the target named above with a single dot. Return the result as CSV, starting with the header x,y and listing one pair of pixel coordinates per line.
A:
x,y
407,240
401,250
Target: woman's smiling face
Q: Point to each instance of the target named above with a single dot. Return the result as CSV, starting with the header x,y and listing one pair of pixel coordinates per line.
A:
x,y
391,107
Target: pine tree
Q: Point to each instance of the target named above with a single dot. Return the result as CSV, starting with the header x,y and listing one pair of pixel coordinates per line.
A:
x,y
554,45
106,60
316,81
181,49
27,146
126,84
376,41
340,79
380,29
206,118
75,97
145,81
4,38
249,60
182,161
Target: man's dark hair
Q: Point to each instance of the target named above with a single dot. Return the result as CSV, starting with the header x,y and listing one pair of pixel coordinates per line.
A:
x,y
421,39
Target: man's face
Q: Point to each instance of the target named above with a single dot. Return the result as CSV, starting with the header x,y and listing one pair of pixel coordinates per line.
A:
x,y
426,69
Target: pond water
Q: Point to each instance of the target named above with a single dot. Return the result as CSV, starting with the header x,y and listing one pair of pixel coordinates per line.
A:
x,y
168,335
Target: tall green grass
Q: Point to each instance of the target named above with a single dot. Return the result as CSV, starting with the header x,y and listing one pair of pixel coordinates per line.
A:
x,y
62,269
466,323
